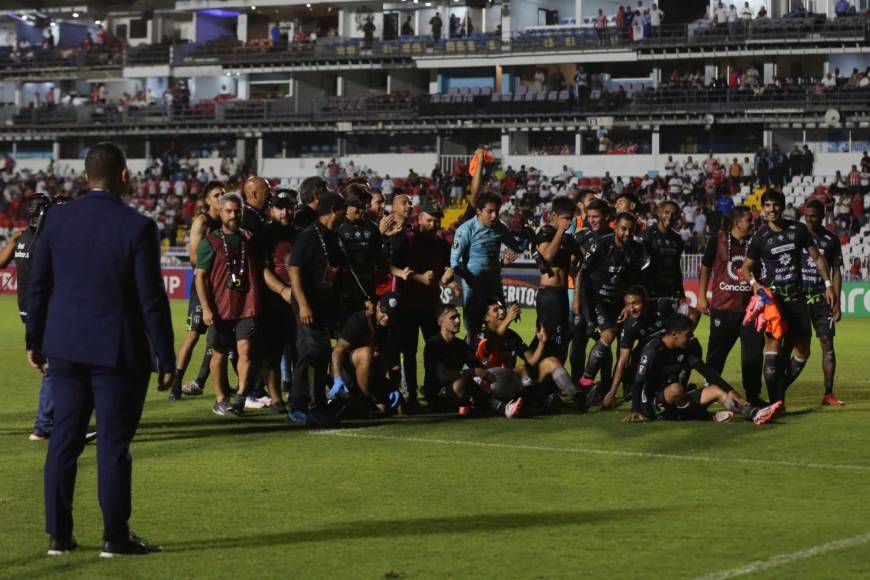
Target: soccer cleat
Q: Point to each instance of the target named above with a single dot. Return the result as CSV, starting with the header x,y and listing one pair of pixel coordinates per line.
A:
x,y
222,408
130,546
278,408
38,436
175,395
298,417
90,437
767,414
831,400
253,403
464,410
238,403
59,547
723,417
586,382
512,409
191,389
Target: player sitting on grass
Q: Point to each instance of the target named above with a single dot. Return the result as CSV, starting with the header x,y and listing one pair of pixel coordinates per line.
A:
x,y
500,349
645,319
453,374
660,387
367,356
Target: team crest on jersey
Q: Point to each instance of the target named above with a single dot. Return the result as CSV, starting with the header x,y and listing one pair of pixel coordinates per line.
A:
x,y
455,244
680,358
790,235
717,322
641,367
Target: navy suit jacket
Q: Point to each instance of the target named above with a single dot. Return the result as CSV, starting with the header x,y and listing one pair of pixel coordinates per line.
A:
x,y
96,292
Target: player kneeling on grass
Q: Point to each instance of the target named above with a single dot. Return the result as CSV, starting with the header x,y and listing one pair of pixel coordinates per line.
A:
x,y
367,356
644,320
500,349
454,375
660,387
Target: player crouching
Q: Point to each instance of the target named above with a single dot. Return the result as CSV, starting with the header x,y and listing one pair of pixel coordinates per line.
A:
x,y
660,386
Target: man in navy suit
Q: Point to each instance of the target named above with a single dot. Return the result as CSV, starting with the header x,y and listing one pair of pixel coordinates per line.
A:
x,y
98,317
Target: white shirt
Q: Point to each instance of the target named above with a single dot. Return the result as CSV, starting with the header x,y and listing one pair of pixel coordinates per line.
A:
x,y
656,16
720,15
689,213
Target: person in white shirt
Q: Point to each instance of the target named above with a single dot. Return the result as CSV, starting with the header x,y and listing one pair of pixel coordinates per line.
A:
x,y
670,166
180,188
656,17
675,186
748,170
164,186
720,15
746,14
387,187
689,213
829,82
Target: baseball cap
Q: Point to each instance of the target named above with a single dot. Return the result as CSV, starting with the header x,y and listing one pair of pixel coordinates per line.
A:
x,y
389,304
285,198
432,207
330,201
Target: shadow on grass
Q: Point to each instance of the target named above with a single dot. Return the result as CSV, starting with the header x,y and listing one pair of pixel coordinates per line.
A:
x,y
403,528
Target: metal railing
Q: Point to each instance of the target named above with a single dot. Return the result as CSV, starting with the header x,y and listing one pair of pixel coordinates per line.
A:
x,y
391,107
34,59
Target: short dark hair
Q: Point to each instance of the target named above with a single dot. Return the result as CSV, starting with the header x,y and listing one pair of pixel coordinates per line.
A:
x,y
212,185
310,188
678,323
632,198
740,211
636,290
357,193
598,205
486,198
330,202
105,161
563,204
443,309
773,195
671,202
816,205
626,216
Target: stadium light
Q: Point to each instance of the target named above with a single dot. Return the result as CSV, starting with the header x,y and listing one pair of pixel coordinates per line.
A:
x,y
75,14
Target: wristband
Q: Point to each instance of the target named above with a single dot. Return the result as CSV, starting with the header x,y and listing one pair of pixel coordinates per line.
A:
x,y
828,284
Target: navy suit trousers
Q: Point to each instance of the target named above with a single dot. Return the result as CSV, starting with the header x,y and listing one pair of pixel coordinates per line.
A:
x,y
117,396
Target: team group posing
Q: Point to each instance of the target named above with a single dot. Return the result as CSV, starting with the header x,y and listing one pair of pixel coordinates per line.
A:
x,y
279,275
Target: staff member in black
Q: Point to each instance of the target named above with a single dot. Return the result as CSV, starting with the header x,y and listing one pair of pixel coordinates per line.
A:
x,y
315,277
97,264
362,243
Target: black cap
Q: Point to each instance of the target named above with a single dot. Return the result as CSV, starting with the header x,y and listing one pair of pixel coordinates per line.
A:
x,y
330,201
432,207
285,198
389,304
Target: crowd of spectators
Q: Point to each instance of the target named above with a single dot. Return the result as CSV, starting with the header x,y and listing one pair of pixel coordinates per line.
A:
x,y
167,190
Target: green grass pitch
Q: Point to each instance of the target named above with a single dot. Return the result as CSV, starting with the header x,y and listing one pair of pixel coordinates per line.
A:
x,y
563,496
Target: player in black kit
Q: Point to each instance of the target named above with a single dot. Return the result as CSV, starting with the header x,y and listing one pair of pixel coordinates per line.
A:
x,y
661,386
614,262
778,247
822,315
664,277
644,320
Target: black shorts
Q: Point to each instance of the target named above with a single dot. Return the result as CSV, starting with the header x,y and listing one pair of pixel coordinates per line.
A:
x,y
276,331
822,318
796,315
194,314
606,314
691,410
224,334
553,315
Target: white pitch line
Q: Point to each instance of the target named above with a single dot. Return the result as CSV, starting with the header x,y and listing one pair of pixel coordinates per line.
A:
x,y
784,559
606,452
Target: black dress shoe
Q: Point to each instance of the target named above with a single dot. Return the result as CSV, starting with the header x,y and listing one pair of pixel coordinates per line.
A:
x,y
59,546
131,546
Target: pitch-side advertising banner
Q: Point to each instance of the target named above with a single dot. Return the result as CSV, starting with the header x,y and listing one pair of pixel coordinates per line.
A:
x,y
520,285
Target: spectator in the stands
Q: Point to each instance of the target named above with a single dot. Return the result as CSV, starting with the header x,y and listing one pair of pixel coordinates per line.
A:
x,y
369,32
808,162
656,18
408,27
843,8
745,15
600,25
436,25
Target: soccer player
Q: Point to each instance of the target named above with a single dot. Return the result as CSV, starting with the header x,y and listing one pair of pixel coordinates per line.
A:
x,y
597,213
614,262
661,391
664,277
426,256
499,347
645,319
722,262
227,281
366,355
557,253
452,373
778,246
201,225
475,257
822,314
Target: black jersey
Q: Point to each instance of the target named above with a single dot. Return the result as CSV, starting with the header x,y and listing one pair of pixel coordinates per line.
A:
x,y
638,331
586,236
444,361
23,257
780,253
568,247
362,243
509,348
660,366
829,246
611,269
664,277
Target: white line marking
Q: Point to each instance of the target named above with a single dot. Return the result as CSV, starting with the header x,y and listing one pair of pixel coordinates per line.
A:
x,y
610,452
784,559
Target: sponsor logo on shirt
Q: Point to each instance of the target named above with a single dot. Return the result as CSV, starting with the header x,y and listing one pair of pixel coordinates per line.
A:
x,y
783,248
